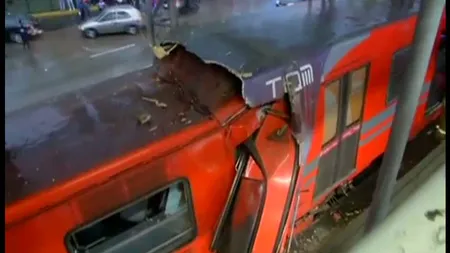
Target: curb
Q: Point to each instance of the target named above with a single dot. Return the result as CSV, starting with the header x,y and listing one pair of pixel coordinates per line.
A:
x,y
52,14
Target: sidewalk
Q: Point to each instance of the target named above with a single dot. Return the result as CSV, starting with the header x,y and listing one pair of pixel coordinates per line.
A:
x,y
51,21
352,233
416,226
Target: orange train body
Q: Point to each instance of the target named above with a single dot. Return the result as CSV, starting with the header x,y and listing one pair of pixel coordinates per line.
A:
x,y
272,193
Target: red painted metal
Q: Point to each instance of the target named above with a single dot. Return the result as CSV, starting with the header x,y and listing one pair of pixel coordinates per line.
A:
x,y
204,153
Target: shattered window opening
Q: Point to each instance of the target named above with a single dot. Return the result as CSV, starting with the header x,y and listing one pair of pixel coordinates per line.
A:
x,y
165,216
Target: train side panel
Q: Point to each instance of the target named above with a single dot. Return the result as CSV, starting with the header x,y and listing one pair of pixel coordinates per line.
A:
x,y
197,172
377,53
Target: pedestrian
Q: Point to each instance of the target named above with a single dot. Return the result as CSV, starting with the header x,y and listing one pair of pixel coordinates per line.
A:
x,y
101,5
87,8
24,35
81,10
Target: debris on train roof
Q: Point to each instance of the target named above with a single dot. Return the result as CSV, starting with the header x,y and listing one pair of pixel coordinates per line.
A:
x,y
246,75
164,49
153,129
159,52
144,118
155,101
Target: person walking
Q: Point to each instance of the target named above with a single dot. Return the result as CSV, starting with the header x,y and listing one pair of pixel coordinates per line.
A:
x,y
87,8
80,6
83,8
24,35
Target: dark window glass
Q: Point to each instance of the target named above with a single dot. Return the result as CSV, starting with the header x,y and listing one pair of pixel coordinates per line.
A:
x,y
400,63
123,15
108,17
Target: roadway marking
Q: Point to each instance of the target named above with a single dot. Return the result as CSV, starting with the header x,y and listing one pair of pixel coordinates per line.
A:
x,y
112,51
88,49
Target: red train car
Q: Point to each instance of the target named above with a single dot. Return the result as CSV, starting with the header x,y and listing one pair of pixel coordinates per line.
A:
x,y
214,166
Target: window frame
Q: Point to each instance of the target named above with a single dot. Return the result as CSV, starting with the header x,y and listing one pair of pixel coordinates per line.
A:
x,y
344,97
189,202
339,108
249,151
388,91
366,82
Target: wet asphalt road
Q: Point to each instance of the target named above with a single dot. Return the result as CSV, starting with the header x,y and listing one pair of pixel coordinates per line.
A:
x,y
62,61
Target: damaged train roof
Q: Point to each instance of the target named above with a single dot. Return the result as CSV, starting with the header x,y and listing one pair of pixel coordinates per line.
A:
x,y
54,141
57,140
265,44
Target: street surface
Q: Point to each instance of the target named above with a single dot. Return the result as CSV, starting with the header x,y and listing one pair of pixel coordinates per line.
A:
x,y
62,61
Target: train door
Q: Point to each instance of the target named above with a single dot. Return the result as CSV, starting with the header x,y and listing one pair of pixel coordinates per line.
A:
x,y
344,101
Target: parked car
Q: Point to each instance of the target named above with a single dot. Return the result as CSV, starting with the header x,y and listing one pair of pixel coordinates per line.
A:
x,y
12,26
114,19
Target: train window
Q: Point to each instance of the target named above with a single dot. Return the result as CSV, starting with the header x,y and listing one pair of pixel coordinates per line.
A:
x,y
332,97
160,222
357,84
398,68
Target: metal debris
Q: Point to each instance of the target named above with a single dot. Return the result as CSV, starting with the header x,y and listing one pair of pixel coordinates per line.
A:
x,y
159,52
156,102
188,122
144,118
183,120
153,129
246,75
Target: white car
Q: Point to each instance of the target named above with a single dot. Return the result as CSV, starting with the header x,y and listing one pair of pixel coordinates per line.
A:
x,y
114,19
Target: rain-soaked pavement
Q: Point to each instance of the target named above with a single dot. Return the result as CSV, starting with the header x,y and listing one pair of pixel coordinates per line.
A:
x,y
62,61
